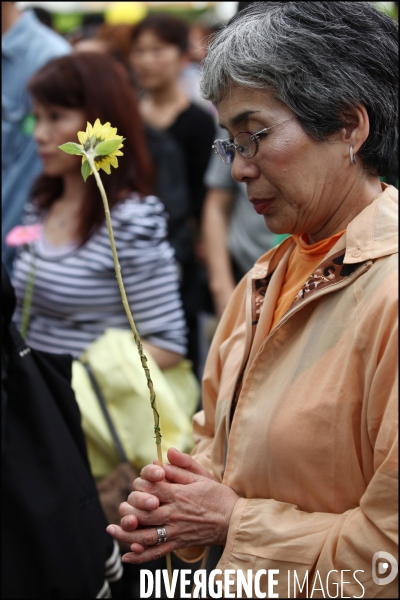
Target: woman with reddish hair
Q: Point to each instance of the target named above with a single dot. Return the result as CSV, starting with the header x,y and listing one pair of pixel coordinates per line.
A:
x,y
76,296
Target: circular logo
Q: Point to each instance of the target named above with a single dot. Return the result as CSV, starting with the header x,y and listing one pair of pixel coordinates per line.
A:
x,y
383,567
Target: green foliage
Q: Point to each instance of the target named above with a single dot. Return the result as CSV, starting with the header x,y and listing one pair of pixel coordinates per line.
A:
x,y
390,8
278,238
72,148
108,146
28,125
67,22
86,170
187,14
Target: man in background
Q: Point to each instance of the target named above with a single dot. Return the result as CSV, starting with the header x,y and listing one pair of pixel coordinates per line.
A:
x,y
27,45
234,235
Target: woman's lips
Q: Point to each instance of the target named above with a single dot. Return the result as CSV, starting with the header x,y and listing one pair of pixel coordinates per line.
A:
x,y
261,206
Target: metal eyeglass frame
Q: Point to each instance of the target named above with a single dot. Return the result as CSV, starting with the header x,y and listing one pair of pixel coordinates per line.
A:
x,y
228,145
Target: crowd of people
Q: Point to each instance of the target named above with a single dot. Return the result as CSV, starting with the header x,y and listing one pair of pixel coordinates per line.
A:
x,y
253,186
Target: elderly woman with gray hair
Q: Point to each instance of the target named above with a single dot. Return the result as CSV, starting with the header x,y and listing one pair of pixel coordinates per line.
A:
x,y
295,463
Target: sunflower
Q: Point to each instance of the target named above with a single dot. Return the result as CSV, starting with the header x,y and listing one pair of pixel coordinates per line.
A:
x,y
93,139
99,147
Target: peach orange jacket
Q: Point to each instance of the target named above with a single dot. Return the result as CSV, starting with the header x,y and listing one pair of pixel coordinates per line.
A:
x,y
312,446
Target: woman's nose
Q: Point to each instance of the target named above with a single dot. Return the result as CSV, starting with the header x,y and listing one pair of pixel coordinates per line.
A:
x,y
40,133
243,168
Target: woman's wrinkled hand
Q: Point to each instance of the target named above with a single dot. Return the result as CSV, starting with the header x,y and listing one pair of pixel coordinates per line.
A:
x,y
182,497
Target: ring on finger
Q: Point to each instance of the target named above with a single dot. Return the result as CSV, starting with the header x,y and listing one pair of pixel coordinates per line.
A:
x,y
161,535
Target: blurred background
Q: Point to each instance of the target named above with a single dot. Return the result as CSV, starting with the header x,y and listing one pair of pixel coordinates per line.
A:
x,y
65,17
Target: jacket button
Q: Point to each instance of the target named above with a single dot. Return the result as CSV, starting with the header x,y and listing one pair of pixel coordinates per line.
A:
x,y
356,253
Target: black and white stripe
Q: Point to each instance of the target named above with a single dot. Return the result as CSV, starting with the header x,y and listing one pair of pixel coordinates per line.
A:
x,y
105,591
114,572
76,296
114,567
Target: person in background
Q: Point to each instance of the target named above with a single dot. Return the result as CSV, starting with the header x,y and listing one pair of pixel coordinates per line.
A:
x,y
199,37
27,45
115,40
234,235
44,16
74,248
87,29
46,484
159,53
76,298
170,184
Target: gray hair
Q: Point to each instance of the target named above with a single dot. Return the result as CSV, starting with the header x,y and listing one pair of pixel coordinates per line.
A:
x,y
318,58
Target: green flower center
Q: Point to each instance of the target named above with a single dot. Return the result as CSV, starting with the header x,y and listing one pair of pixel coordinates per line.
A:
x,y
92,142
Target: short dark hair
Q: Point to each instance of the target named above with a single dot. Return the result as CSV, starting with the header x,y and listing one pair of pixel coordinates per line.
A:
x,y
169,29
93,82
319,58
43,15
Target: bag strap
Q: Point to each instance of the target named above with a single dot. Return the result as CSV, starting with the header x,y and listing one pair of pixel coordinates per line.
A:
x,y
118,444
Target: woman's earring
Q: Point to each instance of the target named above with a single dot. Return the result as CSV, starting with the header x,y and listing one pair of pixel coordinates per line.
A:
x,y
352,156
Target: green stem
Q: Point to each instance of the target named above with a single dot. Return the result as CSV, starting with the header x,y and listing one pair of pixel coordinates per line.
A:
x,y
26,308
157,429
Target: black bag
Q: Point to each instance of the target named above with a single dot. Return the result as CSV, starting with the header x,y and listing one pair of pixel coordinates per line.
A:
x,y
54,543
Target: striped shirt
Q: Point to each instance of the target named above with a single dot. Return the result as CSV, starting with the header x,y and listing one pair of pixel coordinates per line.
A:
x,y
76,295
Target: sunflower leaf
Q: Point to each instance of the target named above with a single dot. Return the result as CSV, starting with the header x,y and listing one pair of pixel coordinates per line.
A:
x,y
85,170
72,148
108,146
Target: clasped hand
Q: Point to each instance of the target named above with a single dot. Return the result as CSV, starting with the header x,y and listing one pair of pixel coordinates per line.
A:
x,y
182,497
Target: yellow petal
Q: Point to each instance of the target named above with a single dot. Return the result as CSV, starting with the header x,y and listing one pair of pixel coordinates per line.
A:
x,y
106,167
97,128
103,132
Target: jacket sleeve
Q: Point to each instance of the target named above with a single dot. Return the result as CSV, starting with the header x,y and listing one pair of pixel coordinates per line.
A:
x,y
268,534
204,421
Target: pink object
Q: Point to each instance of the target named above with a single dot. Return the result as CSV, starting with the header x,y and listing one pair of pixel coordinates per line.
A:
x,y
21,234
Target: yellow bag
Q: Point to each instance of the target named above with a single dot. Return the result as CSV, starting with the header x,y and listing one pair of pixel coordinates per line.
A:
x,y
116,365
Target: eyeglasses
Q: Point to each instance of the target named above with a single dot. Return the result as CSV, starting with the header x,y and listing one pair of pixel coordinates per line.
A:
x,y
245,142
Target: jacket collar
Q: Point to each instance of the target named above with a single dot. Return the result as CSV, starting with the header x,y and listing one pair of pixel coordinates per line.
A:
x,y
372,234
